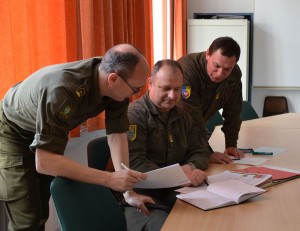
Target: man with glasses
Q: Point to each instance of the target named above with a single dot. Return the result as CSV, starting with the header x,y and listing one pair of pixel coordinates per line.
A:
x,y
134,89
36,116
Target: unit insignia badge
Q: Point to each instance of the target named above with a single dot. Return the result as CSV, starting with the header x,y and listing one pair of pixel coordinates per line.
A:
x,y
186,92
131,133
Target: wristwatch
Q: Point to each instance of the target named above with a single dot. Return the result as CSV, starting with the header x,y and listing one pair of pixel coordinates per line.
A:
x,y
192,165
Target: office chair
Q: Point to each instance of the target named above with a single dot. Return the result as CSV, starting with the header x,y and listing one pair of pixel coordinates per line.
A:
x,y
213,121
248,112
98,154
81,206
275,105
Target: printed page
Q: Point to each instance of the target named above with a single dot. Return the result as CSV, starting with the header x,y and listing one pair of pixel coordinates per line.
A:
x,y
253,179
167,177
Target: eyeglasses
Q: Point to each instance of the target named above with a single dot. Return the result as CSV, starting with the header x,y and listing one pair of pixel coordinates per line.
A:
x,y
134,89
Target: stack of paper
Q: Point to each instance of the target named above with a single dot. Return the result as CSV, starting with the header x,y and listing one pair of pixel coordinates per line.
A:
x,y
279,175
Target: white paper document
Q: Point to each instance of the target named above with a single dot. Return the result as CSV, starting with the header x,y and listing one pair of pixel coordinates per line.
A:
x,y
250,161
167,177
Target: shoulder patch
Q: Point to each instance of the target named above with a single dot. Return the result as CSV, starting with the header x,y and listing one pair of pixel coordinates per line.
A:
x,y
66,110
80,92
131,133
186,92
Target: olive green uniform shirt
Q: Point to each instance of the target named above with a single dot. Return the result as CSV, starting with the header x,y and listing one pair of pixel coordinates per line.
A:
x,y
56,99
203,98
157,141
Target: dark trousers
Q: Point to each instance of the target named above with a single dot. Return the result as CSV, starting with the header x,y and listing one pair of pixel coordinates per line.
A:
x,y
136,221
25,192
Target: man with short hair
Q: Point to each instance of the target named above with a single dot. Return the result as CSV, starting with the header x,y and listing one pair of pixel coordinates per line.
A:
x,y
161,134
212,81
36,116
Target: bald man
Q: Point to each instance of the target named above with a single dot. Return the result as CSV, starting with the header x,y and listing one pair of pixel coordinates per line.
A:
x,y
36,116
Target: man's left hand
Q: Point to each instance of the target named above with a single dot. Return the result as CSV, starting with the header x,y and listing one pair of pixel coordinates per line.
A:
x,y
234,152
138,201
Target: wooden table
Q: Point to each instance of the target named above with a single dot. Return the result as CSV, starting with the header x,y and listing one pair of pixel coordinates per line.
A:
x,y
278,121
278,209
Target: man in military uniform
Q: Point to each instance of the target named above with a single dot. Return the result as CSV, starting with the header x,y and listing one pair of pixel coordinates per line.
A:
x,y
161,134
36,116
212,81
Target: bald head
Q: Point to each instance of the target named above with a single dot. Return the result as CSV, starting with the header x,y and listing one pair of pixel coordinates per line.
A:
x,y
125,48
123,59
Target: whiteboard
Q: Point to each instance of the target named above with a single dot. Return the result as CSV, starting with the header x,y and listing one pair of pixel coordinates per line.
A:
x,y
276,43
201,33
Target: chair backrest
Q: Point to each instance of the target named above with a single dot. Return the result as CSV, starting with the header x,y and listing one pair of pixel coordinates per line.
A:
x,y
248,112
81,206
213,121
275,105
98,153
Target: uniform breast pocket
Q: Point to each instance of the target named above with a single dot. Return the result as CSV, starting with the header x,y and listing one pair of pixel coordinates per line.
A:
x,y
157,134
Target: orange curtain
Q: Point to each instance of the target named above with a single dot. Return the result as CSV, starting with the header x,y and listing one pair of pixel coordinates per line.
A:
x,y
34,34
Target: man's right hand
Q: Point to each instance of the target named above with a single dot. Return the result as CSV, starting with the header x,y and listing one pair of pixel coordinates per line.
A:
x,y
220,158
125,179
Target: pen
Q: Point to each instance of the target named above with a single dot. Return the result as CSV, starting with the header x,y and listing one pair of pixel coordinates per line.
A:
x,y
125,167
246,150
206,182
235,158
262,153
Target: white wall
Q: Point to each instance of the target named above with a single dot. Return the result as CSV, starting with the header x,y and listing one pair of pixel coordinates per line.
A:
x,y
219,6
278,60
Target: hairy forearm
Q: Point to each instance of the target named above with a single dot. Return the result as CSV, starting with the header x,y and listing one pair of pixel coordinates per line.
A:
x,y
118,145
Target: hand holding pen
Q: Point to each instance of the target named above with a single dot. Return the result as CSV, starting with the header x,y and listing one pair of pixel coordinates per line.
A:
x,y
135,173
124,180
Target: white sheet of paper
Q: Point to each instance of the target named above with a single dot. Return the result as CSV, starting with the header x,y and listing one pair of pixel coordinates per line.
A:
x,y
191,188
275,151
250,161
167,177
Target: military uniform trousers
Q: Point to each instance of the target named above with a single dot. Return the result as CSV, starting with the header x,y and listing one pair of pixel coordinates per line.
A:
x,y
25,192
